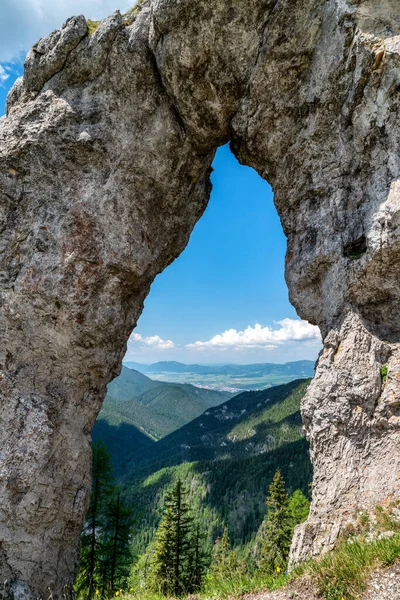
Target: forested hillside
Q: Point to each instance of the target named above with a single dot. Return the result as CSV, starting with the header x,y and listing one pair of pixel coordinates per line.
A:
x,y
227,457
250,423
152,407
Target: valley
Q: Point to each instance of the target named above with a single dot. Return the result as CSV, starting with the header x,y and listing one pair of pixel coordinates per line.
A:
x,y
226,455
232,378
227,458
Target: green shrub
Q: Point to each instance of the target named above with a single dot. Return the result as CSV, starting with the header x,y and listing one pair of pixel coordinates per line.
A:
x,y
92,26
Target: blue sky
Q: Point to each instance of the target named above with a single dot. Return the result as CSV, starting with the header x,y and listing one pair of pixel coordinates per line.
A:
x,y
224,299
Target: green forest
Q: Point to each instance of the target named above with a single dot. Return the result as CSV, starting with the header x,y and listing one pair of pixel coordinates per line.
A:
x,y
223,463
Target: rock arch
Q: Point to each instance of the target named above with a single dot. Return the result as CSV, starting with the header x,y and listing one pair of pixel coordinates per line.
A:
x,y
105,157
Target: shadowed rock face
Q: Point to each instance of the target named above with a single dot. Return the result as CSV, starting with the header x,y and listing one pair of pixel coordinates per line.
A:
x,y
105,158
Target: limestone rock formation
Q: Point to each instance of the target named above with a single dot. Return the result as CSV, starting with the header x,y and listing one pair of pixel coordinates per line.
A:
x,y
105,158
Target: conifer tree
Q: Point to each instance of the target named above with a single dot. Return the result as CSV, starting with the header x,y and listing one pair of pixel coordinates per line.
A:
x,y
196,561
102,487
115,544
224,560
277,529
299,507
171,557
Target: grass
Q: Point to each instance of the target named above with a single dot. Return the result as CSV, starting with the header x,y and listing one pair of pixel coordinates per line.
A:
x,y
342,573
129,17
233,587
133,12
338,575
241,584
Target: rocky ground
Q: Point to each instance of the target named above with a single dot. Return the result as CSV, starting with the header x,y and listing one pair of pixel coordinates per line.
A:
x,y
384,585
302,590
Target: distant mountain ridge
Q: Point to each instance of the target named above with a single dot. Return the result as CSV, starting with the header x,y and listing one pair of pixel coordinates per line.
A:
x,y
230,377
301,367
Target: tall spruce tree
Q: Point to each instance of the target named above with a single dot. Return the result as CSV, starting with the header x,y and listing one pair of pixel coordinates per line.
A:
x,y
115,554
102,488
196,560
172,554
277,528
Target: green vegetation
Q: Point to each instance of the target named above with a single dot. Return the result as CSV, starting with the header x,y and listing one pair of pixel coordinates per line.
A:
x,y
299,507
343,572
135,10
115,544
137,411
277,532
102,489
225,563
227,543
384,372
177,563
155,408
250,424
223,463
227,469
374,542
238,584
339,574
92,26
106,539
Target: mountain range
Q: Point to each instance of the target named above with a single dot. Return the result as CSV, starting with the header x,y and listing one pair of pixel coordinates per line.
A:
x,y
250,423
227,458
137,410
226,455
229,377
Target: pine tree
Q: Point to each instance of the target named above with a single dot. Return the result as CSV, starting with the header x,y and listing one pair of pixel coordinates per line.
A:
x,y
115,544
171,557
277,529
196,561
224,560
102,487
299,507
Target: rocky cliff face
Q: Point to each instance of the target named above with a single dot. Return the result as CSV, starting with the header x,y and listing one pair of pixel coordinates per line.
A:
x,y
105,157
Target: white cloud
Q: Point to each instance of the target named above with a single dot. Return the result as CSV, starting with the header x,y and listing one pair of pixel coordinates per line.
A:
x,y
289,330
23,22
3,75
153,341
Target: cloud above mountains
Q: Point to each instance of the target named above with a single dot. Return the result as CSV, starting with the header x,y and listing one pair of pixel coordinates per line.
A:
x,y
23,22
288,330
154,342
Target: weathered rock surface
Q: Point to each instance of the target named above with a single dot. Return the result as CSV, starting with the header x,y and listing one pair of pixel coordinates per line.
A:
x,y
105,159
